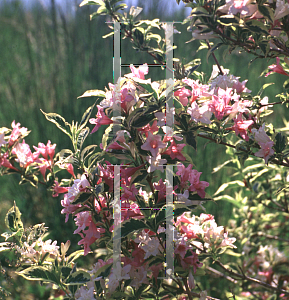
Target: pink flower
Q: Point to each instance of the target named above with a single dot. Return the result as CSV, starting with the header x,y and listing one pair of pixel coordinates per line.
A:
x,y
197,185
156,269
153,144
82,220
220,103
17,132
92,234
106,172
4,162
198,90
200,114
241,126
183,95
68,207
57,189
69,168
161,187
148,128
244,7
101,119
192,260
266,150
174,151
139,72
24,154
2,140
277,68
46,150
43,165
260,134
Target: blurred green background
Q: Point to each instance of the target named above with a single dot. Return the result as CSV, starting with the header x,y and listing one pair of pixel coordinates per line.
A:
x,y
50,55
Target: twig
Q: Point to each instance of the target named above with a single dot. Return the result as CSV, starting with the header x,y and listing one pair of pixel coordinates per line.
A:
x,y
245,277
215,59
187,288
222,275
271,237
275,161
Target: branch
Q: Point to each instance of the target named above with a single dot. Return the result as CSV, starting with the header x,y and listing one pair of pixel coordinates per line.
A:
x,y
245,277
274,160
268,236
222,275
215,59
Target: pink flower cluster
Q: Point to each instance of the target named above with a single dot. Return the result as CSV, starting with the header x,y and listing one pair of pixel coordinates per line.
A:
x,y
190,180
204,231
264,142
42,158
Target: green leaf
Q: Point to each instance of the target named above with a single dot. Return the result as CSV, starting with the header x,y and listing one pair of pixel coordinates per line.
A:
x,y
190,139
199,12
286,84
73,256
265,47
143,120
106,36
104,271
81,198
139,36
93,93
156,37
160,217
228,199
81,137
99,188
108,136
120,6
87,151
138,176
147,86
65,271
257,27
78,277
266,11
91,2
228,164
229,184
13,219
39,273
132,225
228,20
59,121
281,142
85,117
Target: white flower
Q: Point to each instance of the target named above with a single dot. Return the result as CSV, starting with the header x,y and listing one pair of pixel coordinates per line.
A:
x,y
191,281
282,9
138,277
150,245
2,140
203,295
48,247
156,163
77,185
200,114
216,71
84,294
260,135
169,132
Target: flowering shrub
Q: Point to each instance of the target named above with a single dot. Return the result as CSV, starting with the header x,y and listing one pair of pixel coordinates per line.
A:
x,y
144,147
